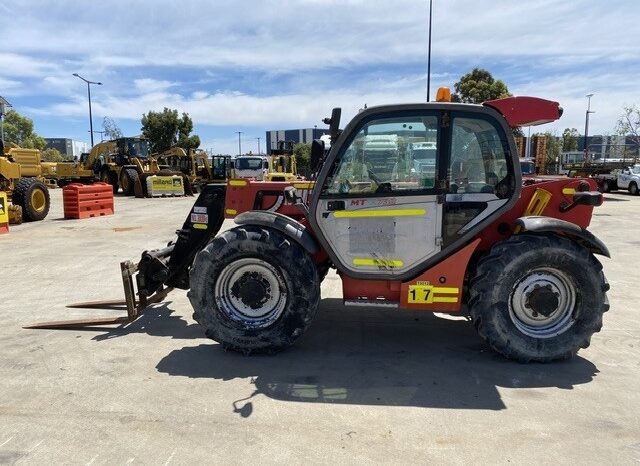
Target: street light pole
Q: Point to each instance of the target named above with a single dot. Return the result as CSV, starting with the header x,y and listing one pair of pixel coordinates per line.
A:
x,y
586,127
239,143
258,145
89,94
429,53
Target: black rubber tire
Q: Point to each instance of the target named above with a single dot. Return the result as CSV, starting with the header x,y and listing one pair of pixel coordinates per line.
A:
x,y
131,178
292,263
22,196
633,189
109,177
606,186
498,273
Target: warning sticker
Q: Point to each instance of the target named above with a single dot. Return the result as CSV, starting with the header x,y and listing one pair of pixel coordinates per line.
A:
x,y
199,218
199,210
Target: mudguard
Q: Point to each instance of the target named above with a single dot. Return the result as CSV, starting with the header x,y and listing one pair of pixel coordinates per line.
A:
x,y
540,224
286,225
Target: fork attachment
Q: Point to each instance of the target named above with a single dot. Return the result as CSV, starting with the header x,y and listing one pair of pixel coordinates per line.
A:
x,y
159,270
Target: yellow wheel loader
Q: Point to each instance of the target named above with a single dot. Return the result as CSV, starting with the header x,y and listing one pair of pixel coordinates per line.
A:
x,y
124,163
24,178
195,164
282,163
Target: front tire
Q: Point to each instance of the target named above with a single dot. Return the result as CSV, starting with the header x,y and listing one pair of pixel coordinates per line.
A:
x,y
633,188
538,298
254,290
606,186
128,179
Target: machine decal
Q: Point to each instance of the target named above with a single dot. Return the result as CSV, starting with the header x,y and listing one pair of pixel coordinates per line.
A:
x,y
377,262
428,294
230,211
199,218
238,183
380,213
200,226
568,191
199,210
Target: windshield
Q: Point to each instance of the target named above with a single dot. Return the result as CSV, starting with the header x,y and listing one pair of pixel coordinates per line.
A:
x,y
527,167
253,163
137,148
636,169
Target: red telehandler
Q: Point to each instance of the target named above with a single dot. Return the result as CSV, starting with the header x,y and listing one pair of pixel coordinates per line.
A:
x,y
464,238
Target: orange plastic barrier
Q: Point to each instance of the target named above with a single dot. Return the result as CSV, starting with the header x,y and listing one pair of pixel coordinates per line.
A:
x,y
84,201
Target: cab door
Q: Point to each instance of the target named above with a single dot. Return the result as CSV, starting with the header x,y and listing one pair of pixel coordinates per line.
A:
x,y
379,209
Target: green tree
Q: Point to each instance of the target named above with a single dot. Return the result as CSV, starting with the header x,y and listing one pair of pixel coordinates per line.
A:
x,y
570,140
303,158
52,155
166,129
553,148
629,124
111,129
19,130
479,86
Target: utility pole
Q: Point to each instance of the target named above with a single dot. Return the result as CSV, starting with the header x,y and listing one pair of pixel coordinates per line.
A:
x,y
258,145
429,53
239,142
89,94
586,128
3,109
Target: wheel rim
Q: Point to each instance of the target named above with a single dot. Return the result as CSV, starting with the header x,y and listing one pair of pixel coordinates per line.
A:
x,y
38,200
542,303
252,292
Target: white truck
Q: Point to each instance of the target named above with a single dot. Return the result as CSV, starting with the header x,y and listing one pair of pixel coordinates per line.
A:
x,y
626,178
629,178
251,166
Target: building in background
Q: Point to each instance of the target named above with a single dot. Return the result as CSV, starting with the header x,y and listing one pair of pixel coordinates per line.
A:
x,y
306,136
67,147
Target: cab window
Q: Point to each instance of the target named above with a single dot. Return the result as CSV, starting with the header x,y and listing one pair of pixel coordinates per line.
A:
x,y
389,155
478,161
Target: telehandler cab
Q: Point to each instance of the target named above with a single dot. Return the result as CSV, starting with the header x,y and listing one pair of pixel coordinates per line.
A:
x,y
466,238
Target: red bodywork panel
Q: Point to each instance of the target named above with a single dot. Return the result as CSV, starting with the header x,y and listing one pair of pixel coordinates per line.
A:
x,y
526,111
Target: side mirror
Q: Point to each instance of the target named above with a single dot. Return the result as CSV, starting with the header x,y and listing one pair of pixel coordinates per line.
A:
x,y
334,124
317,152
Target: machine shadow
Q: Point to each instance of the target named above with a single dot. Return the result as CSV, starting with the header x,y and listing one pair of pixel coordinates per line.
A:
x,y
372,357
158,320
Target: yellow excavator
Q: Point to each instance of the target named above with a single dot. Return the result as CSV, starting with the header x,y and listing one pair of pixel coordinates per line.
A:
x,y
24,177
195,164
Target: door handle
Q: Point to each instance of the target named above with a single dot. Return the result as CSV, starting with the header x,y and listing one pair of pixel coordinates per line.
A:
x,y
335,205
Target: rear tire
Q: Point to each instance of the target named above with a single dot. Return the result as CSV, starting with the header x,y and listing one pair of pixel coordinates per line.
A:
x,y
606,186
128,179
254,290
633,188
33,196
538,298
107,176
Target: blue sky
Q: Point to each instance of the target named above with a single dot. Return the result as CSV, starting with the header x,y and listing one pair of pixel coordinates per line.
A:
x,y
252,66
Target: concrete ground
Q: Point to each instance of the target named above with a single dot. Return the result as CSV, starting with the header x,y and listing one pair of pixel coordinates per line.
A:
x,y
363,386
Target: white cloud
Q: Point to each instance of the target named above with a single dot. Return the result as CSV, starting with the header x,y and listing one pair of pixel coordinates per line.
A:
x,y
146,51
146,85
